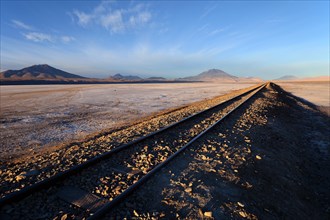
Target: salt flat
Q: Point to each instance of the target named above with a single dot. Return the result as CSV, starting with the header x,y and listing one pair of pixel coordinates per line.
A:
x,y
316,92
44,115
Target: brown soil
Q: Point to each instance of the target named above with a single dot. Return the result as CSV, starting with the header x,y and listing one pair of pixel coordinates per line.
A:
x,y
269,160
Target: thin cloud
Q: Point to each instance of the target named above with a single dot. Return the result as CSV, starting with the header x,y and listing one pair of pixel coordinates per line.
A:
x,y
42,37
216,31
83,18
208,10
140,18
163,30
21,25
203,28
115,20
38,37
67,39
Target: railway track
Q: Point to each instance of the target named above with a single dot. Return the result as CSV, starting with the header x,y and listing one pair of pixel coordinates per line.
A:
x,y
18,173
90,189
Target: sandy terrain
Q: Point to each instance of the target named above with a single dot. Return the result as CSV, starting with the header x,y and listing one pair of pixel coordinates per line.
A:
x,y
46,115
316,92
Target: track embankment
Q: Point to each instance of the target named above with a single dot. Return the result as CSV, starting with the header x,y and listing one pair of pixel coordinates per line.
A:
x,y
109,176
267,161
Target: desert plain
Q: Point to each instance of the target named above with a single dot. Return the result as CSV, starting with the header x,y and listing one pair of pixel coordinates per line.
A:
x,y
316,92
35,117
279,129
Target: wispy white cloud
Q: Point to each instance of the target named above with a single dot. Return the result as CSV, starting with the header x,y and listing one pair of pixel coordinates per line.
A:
x,y
203,28
83,18
115,20
67,39
163,30
208,30
38,37
140,18
21,25
32,34
216,31
208,10
43,37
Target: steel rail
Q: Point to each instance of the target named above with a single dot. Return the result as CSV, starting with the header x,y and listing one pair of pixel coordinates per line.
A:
x,y
28,190
105,209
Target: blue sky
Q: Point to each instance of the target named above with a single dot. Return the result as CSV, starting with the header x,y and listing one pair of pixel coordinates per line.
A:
x,y
168,38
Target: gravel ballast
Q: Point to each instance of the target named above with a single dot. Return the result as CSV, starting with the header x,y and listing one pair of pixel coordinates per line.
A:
x,y
269,160
24,171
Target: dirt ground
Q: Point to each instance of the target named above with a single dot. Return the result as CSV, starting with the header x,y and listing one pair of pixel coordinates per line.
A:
x,y
268,161
40,116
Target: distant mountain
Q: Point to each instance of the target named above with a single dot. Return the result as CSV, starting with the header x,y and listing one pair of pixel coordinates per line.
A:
x,y
215,73
311,79
156,78
212,75
305,79
250,79
38,72
121,77
288,77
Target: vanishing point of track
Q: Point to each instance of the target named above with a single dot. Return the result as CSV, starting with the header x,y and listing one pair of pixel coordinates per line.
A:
x,y
148,155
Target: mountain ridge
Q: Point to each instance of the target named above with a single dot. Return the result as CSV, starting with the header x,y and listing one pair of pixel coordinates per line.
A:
x,y
217,75
287,77
47,74
119,76
39,72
